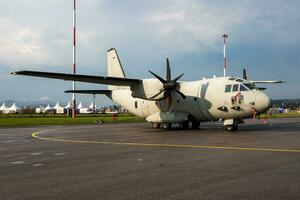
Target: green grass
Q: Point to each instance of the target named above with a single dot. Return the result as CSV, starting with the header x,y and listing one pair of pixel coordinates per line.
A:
x,y
283,115
62,120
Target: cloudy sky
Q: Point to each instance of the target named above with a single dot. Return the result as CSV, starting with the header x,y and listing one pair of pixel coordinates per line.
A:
x,y
37,35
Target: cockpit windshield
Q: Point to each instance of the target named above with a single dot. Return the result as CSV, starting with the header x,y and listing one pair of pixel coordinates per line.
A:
x,y
239,87
250,86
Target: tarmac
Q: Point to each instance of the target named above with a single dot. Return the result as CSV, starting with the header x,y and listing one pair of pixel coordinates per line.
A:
x,y
134,161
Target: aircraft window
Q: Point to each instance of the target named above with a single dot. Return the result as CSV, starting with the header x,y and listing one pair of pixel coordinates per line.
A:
x,y
135,104
228,88
243,88
239,80
235,88
250,86
232,78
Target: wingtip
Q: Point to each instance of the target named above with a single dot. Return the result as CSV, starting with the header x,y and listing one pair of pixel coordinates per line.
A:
x,y
14,72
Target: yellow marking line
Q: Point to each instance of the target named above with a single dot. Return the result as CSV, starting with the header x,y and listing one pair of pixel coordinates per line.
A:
x,y
35,135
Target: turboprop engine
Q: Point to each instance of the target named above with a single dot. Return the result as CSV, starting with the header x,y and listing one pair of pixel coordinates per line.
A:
x,y
159,88
147,90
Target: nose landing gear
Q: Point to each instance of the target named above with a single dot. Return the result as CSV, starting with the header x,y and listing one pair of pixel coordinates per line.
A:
x,y
231,124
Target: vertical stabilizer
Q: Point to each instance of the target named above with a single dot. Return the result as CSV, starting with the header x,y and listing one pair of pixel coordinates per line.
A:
x,y
114,66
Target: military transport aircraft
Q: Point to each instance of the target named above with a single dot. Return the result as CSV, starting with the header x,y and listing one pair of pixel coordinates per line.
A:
x,y
164,102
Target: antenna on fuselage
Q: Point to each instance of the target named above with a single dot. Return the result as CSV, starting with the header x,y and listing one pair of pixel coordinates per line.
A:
x,y
225,36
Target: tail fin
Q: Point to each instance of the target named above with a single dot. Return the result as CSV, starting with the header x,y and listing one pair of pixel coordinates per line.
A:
x,y
114,66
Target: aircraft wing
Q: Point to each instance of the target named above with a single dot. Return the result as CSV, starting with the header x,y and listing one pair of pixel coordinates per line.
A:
x,y
81,78
106,92
277,81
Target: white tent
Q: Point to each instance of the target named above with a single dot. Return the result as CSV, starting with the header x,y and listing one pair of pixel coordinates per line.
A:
x,y
59,109
68,105
13,109
92,106
3,107
57,106
80,106
48,107
39,110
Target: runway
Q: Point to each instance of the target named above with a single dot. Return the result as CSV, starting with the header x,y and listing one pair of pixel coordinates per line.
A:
x,y
134,161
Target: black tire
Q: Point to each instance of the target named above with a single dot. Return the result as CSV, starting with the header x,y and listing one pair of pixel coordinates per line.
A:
x,y
184,125
232,127
166,125
195,125
156,125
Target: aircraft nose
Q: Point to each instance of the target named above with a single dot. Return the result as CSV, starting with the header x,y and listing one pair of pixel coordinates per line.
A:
x,y
263,102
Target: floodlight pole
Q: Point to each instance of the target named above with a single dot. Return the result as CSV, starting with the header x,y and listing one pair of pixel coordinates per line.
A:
x,y
94,103
74,59
225,36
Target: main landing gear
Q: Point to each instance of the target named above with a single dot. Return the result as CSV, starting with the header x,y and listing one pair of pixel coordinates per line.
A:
x,y
161,125
182,125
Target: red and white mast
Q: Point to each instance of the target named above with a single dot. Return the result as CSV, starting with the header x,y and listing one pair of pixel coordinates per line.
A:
x,y
225,36
74,59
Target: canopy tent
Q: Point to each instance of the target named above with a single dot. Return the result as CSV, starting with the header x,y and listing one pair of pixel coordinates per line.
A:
x,y
57,106
13,109
3,107
80,106
48,107
68,106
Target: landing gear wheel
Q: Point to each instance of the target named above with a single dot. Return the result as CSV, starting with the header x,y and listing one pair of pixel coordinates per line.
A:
x,y
232,127
166,125
156,125
184,125
195,125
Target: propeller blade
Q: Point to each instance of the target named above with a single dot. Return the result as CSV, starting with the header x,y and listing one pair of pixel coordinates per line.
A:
x,y
245,74
181,94
178,77
158,77
169,101
156,95
168,74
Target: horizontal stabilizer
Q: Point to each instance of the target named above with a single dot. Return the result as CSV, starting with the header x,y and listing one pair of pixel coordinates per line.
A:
x,y
106,92
81,78
275,82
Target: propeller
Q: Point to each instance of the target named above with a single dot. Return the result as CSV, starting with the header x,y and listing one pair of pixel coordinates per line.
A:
x,y
245,74
168,84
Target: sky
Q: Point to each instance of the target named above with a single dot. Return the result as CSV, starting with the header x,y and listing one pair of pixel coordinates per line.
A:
x,y
37,35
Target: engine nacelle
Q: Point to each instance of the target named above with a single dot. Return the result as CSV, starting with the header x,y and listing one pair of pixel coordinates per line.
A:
x,y
147,89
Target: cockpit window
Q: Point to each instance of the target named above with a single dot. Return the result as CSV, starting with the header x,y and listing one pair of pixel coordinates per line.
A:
x,y
250,86
235,88
232,78
228,88
239,80
243,88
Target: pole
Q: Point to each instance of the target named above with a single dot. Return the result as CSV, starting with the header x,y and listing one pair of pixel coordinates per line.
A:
x,y
225,36
74,59
94,104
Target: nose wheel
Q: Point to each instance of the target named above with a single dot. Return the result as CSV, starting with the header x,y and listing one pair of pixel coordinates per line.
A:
x,y
231,127
156,125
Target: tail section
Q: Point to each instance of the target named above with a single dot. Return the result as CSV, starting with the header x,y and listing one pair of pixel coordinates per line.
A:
x,y
114,67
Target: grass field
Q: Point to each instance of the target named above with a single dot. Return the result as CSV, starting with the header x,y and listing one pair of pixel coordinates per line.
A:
x,y
31,120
